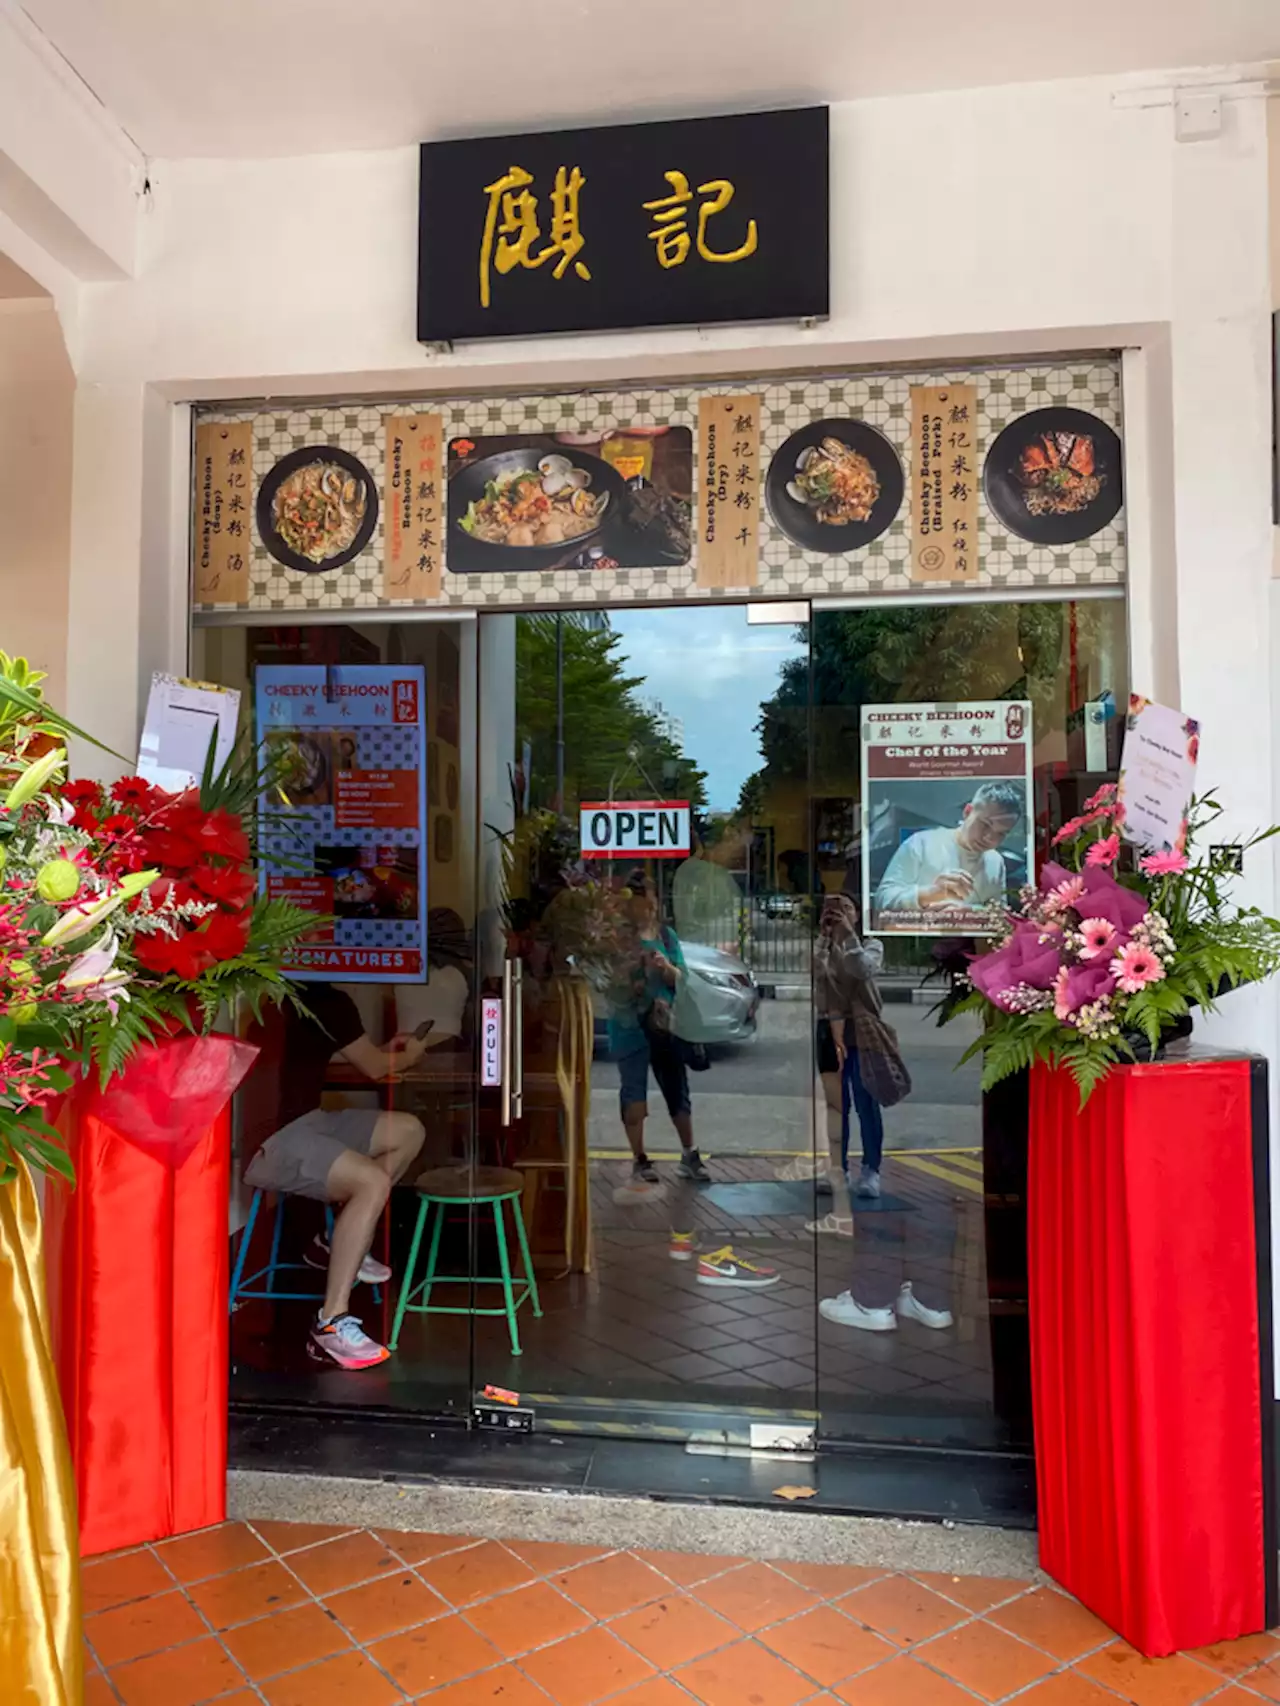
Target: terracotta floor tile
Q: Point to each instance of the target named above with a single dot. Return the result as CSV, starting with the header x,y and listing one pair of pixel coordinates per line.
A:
x,y
658,1691
826,1645
416,1548
284,1537
184,1676
613,1585
586,1668
98,1691
745,1672
755,1596
979,1593
829,1580
1176,1681
338,1564
1051,1620
285,1641
986,1660
479,1573
145,1626
1068,1688
674,1630
530,1617
109,1582
548,1556
687,1569
386,1606
504,1687
245,1594
903,1609
1234,1658
902,1682
436,1654
211,1551
1265,1680
348,1680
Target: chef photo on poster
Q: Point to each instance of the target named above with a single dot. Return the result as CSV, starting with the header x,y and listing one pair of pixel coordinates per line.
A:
x,y
345,835
620,498
946,794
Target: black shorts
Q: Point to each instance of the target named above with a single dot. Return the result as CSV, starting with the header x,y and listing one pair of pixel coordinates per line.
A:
x,y
828,1059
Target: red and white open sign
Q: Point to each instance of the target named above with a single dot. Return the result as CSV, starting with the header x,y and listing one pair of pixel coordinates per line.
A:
x,y
631,829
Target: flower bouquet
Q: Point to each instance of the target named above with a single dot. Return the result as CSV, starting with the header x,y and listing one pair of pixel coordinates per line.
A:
x,y
1112,948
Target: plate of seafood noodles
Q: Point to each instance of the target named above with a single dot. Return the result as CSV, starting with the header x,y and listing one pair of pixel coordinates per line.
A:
x,y
529,508
1054,476
317,509
835,485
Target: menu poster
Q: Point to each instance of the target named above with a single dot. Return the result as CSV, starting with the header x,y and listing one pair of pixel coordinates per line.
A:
x,y
944,483
223,541
413,505
729,491
349,843
1157,775
947,811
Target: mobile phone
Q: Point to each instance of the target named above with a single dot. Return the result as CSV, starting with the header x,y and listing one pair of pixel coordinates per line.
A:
x,y
421,1030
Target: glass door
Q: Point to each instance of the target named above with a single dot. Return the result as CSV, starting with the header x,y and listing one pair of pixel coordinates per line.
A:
x,y
648,909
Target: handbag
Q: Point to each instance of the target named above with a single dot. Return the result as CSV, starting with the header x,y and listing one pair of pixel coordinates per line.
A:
x,y
880,1063
662,1023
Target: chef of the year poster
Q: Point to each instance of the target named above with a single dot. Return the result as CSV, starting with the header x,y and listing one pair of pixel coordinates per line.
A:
x,y
348,843
946,796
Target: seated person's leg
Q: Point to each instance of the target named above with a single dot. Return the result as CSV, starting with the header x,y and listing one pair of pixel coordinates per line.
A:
x,y
397,1139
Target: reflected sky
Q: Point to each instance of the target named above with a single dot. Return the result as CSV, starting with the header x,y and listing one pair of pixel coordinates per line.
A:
x,y
711,670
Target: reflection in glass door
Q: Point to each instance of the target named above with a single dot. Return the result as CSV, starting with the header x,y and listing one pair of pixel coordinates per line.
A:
x,y
656,983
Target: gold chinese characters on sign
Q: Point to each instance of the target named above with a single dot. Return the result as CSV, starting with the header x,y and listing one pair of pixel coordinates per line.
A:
x,y
944,483
671,227
224,507
729,491
413,507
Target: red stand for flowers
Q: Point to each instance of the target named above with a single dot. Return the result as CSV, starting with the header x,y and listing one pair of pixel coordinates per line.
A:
x,y
1151,1344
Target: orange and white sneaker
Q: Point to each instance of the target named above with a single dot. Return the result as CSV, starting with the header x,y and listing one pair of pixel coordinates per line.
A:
x,y
726,1267
344,1341
684,1246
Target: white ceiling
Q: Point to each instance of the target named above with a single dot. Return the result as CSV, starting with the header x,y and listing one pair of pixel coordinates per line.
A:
x,y
259,77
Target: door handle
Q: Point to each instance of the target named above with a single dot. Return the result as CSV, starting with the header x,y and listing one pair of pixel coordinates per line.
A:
x,y
517,1038
507,1053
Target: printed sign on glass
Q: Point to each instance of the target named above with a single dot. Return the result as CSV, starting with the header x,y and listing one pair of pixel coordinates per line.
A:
x,y
694,222
946,797
636,829
491,1041
349,843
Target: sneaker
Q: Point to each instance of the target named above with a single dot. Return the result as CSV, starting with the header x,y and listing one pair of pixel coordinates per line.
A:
x,y
823,1185
837,1225
724,1267
316,1255
910,1308
692,1168
845,1311
802,1171
344,1341
868,1183
644,1170
684,1246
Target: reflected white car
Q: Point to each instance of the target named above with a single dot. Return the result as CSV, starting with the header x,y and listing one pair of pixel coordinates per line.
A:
x,y
726,994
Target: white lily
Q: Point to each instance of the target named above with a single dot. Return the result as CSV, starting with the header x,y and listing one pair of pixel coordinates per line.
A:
x,y
77,921
33,779
94,965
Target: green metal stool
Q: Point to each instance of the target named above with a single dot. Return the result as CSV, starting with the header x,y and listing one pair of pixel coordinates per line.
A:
x,y
442,1189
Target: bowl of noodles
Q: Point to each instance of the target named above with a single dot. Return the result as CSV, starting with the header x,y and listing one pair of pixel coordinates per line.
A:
x,y
835,485
317,509
529,508
1054,476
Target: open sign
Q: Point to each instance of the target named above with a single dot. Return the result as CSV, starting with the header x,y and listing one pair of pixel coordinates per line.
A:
x,y
644,829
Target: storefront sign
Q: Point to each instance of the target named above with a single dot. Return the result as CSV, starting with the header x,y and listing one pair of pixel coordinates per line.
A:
x,y
223,508
491,1041
413,507
348,843
644,829
1158,775
946,795
944,483
729,491
694,222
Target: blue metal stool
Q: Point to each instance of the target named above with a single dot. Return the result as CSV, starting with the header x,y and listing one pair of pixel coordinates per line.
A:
x,y
242,1289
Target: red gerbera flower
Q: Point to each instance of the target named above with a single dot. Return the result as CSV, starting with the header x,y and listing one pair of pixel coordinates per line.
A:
x,y
231,887
223,836
83,793
132,791
118,827
83,819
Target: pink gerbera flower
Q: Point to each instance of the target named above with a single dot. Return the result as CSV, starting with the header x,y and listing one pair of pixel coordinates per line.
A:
x,y
1071,827
1104,797
1098,934
1069,892
1164,864
1104,852
1136,967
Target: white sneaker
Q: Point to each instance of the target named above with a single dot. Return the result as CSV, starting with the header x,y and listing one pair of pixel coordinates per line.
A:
x,y
868,1183
372,1272
802,1171
837,1225
910,1308
845,1311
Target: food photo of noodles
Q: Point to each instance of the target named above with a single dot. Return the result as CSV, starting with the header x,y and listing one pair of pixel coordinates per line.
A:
x,y
1054,476
543,505
835,485
317,509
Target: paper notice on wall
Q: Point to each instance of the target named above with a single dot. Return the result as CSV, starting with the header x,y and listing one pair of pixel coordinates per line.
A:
x,y
944,483
183,717
1157,775
728,548
223,508
413,507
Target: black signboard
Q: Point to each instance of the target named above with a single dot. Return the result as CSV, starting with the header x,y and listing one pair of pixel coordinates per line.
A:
x,y
690,223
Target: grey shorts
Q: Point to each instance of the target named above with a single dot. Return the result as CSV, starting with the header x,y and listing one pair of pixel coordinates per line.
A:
x,y
297,1158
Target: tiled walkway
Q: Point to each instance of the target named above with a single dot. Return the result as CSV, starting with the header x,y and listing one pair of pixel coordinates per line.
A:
x,y
292,1615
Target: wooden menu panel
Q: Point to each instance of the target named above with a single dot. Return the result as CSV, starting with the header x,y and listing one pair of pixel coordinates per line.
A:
x,y
728,544
224,507
944,483
413,507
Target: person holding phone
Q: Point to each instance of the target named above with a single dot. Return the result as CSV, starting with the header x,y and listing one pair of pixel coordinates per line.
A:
x,y
347,1156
